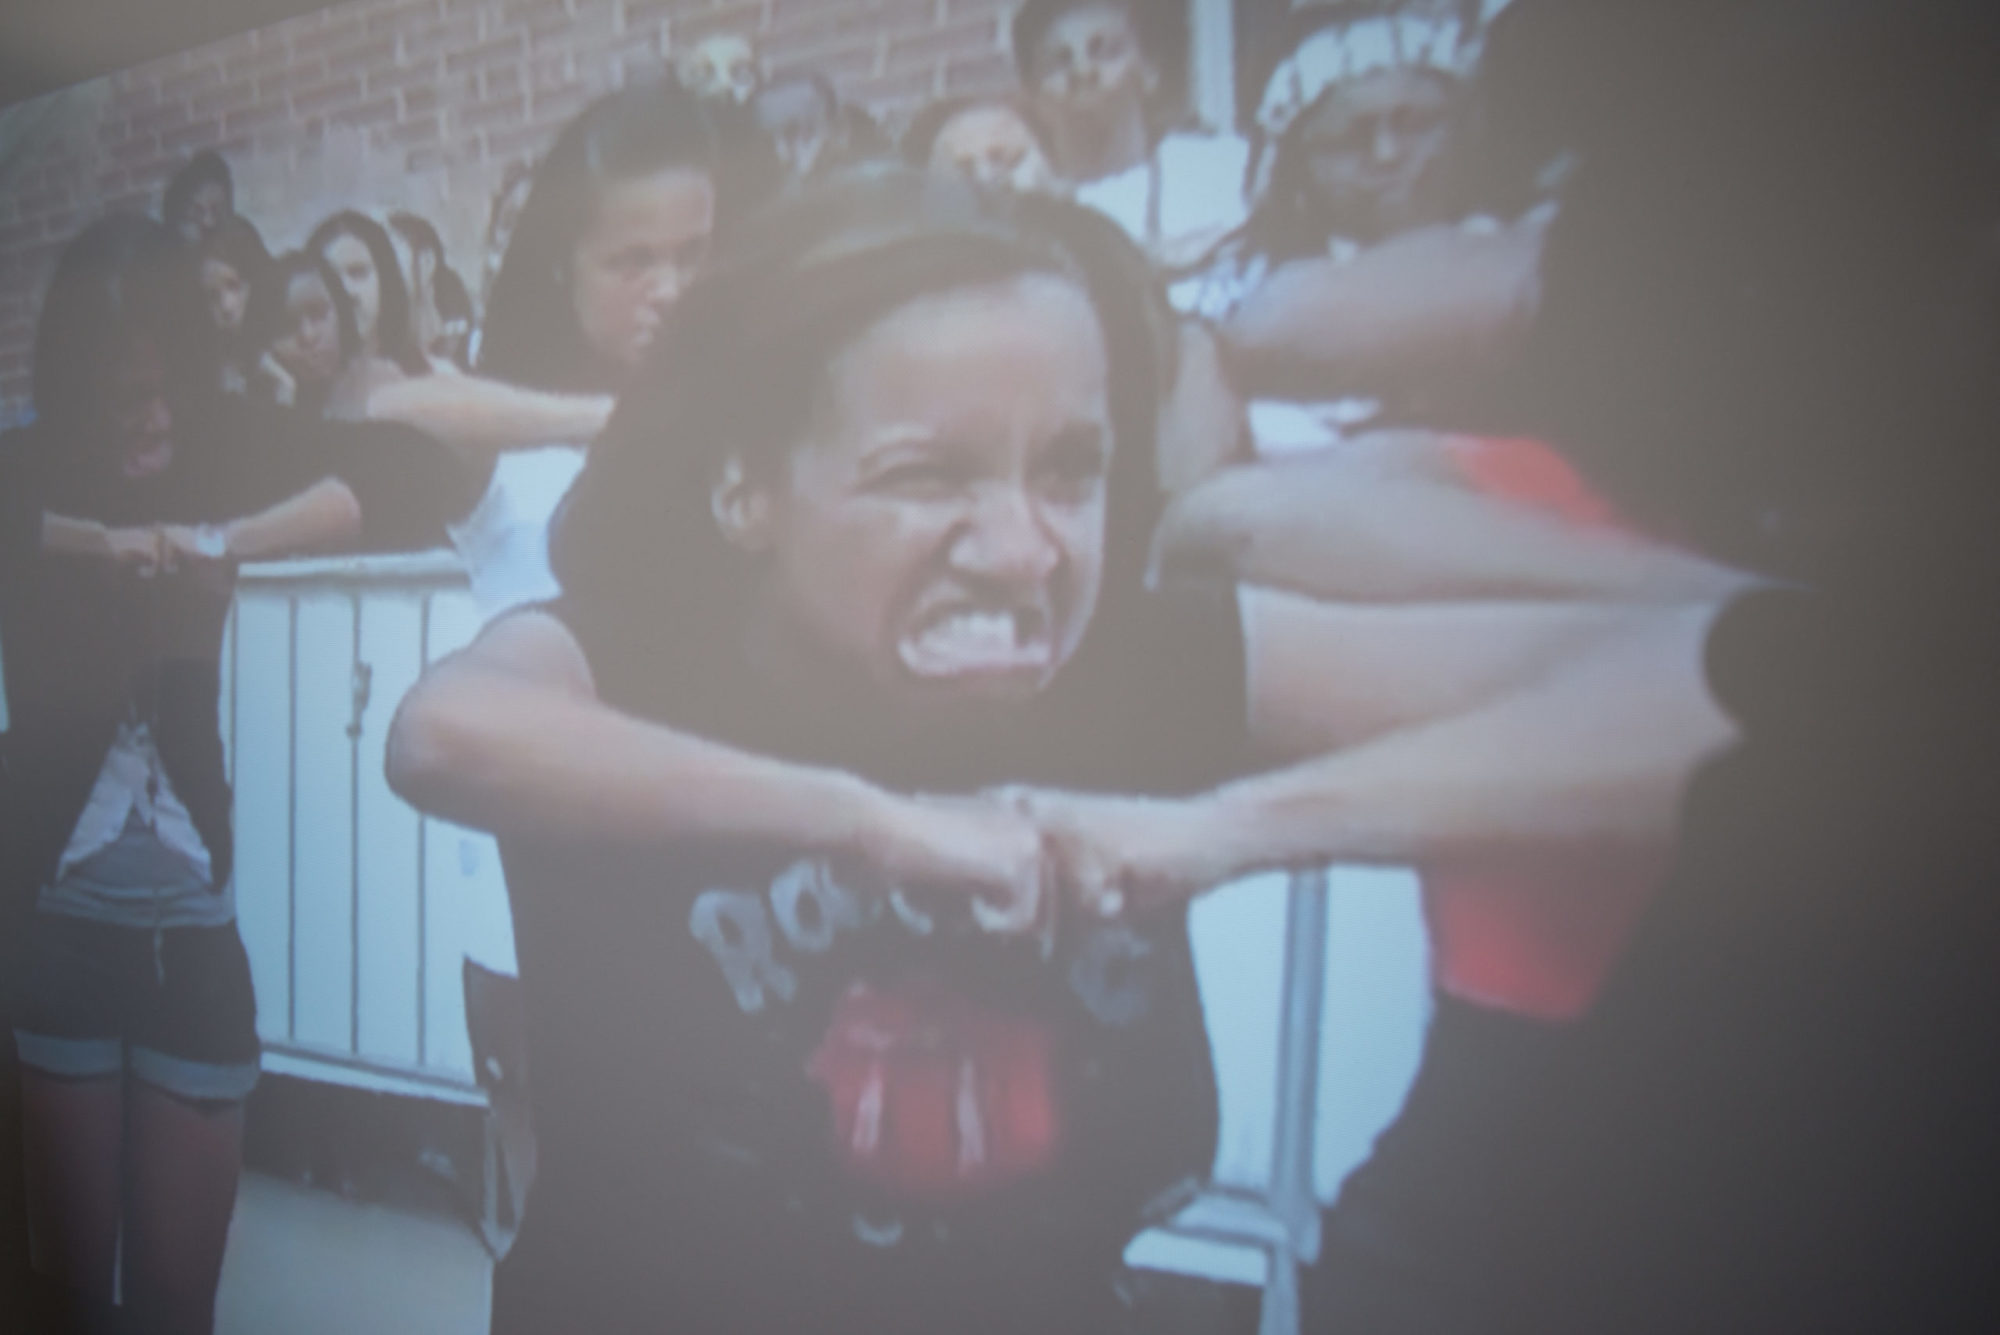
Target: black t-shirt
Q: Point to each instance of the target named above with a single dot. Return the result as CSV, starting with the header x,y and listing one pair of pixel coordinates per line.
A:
x,y
76,634
748,1039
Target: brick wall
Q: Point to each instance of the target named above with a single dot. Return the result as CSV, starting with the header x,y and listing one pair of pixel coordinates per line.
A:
x,y
417,104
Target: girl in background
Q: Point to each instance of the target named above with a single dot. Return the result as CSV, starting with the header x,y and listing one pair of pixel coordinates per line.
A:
x,y
315,341
617,221
361,255
124,511
233,266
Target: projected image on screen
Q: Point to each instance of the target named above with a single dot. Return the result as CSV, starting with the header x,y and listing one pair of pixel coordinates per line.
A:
x,y
814,667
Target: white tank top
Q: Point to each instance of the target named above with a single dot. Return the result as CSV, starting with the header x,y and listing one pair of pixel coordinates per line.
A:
x,y
504,542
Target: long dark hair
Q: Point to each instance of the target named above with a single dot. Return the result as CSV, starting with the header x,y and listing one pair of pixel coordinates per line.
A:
x,y
124,277
267,304
393,338
531,335
743,356
238,244
204,168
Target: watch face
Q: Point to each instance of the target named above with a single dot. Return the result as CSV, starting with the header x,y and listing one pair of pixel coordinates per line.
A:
x,y
212,544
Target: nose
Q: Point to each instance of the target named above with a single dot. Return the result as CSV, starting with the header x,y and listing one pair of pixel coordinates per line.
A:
x,y
1004,542
1388,144
156,419
663,287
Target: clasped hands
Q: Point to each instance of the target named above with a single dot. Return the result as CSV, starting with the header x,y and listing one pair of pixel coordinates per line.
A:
x,y
1028,860
168,549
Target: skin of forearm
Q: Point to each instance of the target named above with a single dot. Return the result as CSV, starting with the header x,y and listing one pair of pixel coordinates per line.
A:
x,y
322,516
1427,302
64,536
1588,763
1349,533
479,418
481,748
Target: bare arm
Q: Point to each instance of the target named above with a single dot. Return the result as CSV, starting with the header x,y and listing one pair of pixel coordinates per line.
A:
x,y
1202,425
1547,743
509,735
1354,531
1588,758
1435,299
480,418
323,515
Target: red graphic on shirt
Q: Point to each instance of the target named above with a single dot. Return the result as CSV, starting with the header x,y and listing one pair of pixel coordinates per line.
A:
x,y
935,1096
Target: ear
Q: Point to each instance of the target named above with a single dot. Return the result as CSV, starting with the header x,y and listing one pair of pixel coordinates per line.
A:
x,y
741,506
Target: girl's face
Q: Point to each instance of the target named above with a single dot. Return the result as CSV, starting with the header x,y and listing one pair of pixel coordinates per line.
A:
x,y
1371,146
992,147
1089,61
228,295
309,345
355,264
938,536
206,210
142,423
644,243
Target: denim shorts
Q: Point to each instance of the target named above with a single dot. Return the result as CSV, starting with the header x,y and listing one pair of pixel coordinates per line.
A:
x,y
173,1007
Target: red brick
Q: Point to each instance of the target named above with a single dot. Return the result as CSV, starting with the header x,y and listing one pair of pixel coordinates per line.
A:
x,y
229,97
507,48
325,96
380,111
505,112
912,85
201,134
266,113
955,40
685,26
500,81
592,24
340,29
843,65
980,74
524,143
196,79
421,100
441,38
364,55
409,133
137,148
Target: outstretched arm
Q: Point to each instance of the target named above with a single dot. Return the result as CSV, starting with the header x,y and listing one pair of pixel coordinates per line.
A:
x,y
479,418
509,735
1353,530
1558,743
1432,300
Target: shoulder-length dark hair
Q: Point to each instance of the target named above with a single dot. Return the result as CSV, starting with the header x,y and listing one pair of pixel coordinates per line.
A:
x,y
238,244
267,303
742,360
531,335
123,278
393,338
1289,223
204,168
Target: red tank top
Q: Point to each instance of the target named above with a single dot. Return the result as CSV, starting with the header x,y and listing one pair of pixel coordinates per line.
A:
x,y
1537,945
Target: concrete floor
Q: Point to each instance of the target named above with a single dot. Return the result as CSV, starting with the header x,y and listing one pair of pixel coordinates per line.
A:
x,y
307,1262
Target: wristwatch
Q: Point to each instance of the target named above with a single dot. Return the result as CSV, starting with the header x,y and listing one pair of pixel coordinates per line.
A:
x,y
211,542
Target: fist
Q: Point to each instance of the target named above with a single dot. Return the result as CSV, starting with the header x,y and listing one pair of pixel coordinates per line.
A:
x,y
1111,857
